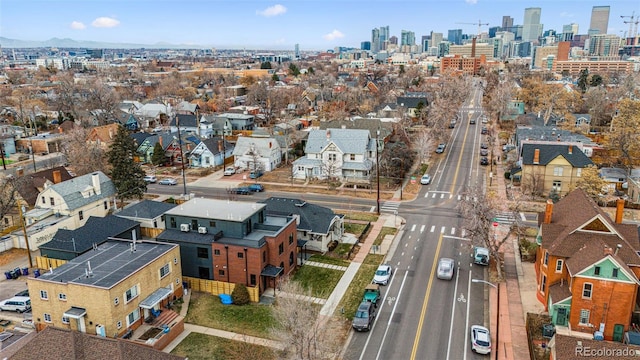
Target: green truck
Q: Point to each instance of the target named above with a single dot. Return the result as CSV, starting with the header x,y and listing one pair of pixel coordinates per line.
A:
x,y
480,255
372,294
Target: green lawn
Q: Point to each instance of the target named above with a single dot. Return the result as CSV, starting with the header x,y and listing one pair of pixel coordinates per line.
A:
x,y
198,346
329,260
355,291
319,281
252,319
360,216
355,229
6,161
342,249
383,232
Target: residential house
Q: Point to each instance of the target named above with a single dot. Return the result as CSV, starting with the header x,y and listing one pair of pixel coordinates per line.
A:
x,y
564,347
69,244
240,121
583,120
551,134
412,102
514,109
186,107
219,125
102,136
110,290
232,241
191,124
145,150
252,153
130,106
150,215
317,225
180,147
341,153
374,125
587,267
54,343
616,178
130,121
245,109
210,152
551,167
633,186
43,143
154,114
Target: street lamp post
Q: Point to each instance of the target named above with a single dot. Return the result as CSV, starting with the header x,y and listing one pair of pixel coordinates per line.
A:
x,y
378,172
497,287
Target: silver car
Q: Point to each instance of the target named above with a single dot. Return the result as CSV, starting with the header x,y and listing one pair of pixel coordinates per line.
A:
x,y
445,268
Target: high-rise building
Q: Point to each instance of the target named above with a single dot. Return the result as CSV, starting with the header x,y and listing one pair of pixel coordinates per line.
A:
x,y
531,29
493,30
455,36
599,20
365,45
297,51
604,45
568,31
393,40
507,23
407,37
379,38
436,38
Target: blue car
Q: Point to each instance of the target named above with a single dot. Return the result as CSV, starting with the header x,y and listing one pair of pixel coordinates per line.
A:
x,y
255,174
256,187
241,190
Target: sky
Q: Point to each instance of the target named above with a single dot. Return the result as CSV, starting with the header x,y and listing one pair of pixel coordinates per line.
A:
x,y
278,25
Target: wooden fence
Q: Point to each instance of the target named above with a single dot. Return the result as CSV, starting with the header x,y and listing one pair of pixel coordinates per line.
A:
x,y
44,263
218,287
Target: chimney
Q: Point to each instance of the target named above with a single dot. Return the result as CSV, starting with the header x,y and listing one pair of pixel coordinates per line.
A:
x,y
57,178
160,140
110,133
328,135
220,146
536,156
619,210
548,212
570,151
608,250
95,181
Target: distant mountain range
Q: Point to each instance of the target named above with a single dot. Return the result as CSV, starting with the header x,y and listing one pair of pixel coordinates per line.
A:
x,y
70,43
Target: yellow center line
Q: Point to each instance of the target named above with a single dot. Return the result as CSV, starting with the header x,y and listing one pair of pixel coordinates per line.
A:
x,y
455,176
416,341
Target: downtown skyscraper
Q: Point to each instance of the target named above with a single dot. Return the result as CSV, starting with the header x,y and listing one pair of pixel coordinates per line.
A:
x,y
599,20
531,29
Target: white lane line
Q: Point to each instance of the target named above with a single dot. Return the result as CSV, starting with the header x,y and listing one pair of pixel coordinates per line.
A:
x,y
413,227
422,228
459,197
442,230
450,196
466,332
433,196
390,318
455,237
463,233
453,231
373,208
442,196
377,317
453,312
433,227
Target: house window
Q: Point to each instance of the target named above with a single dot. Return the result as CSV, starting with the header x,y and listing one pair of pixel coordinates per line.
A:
x,y
106,205
614,273
557,171
332,157
352,157
212,223
52,201
543,283
47,317
164,271
252,280
280,249
264,256
559,265
116,301
596,271
44,200
119,324
300,168
44,295
240,255
133,317
290,239
65,320
131,293
194,224
587,288
546,258
216,252
62,296
291,257
221,272
584,317
556,186
80,214
203,253
173,222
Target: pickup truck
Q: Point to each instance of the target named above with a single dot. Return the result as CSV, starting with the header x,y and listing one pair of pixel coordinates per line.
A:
x,y
372,294
480,255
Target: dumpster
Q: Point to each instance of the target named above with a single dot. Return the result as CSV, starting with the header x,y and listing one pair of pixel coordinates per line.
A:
x,y
25,271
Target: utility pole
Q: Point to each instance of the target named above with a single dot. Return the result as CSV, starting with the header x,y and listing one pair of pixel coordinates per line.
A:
x,y
378,171
24,232
184,179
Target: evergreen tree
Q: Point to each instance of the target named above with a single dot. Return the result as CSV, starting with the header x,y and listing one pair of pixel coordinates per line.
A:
x,y
583,80
158,157
240,295
126,174
294,70
265,65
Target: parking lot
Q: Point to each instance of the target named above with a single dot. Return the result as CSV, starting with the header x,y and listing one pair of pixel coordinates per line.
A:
x,y
10,260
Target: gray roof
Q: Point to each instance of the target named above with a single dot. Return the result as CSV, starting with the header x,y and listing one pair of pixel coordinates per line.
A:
x,y
550,151
216,209
313,218
96,230
349,141
371,124
549,133
71,190
186,120
176,236
263,146
146,209
111,263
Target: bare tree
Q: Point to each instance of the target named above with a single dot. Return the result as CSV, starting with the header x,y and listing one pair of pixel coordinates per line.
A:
x,y
533,185
84,157
103,101
304,336
8,194
330,168
423,144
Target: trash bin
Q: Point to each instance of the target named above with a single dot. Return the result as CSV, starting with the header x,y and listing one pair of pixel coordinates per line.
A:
x,y
14,274
17,272
36,273
7,274
25,271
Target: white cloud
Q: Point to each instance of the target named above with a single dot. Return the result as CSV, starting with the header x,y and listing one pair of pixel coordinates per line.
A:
x,y
105,22
77,25
274,10
335,34
565,14
472,2
280,41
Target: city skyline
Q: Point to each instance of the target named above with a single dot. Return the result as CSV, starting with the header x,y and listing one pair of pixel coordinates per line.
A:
x,y
315,25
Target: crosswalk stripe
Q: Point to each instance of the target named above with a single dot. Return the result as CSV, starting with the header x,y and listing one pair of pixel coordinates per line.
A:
x,y
432,228
422,228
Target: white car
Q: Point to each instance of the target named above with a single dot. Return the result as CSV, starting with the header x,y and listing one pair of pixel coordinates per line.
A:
x,y
425,179
382,275
150,179
229,171
18,304
480,339
446,267
168,181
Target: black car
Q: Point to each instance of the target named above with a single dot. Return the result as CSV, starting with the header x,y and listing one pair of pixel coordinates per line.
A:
x,y
484,161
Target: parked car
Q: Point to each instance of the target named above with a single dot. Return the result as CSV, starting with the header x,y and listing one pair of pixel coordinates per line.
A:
x,y
229,171
484,130
150,179
425,179
440,148
18,304
243,190
23,293
480,339
372,294
255,174
485,119
452,124
446,268
484,152
484,146
484,161
480,255
168,181
256,187
382,275
508,147
365,315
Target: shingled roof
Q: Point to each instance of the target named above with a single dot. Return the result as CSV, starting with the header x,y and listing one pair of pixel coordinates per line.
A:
x,y
313,218
146,209
71,190
31,184
548,152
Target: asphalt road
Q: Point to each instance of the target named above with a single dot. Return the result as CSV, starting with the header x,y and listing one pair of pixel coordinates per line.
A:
x,y
423,317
